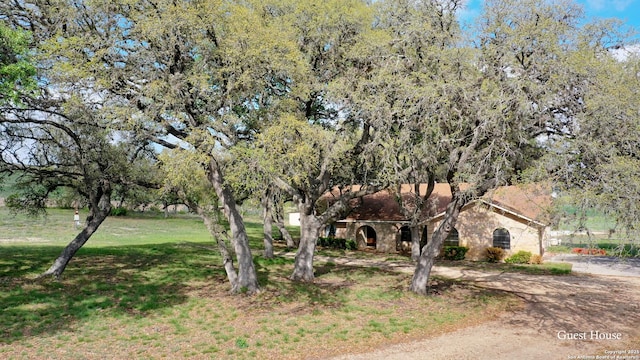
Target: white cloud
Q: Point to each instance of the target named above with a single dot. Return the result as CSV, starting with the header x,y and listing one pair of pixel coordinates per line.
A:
x,y
617,5
596,4
621,5
624,53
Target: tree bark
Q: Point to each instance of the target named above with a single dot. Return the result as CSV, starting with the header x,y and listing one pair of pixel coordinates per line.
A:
x,y
267,227
219,234
309,230
98,212
414,211
247,277
415,242
278,220
420,280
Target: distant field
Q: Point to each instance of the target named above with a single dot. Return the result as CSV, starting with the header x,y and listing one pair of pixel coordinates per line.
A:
x,y
595,221
57,228
602,234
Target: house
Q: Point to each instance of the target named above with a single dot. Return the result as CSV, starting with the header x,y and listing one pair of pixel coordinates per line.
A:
x,y
511,217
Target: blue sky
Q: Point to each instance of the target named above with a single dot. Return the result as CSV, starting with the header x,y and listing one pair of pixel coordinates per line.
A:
x,y
626,10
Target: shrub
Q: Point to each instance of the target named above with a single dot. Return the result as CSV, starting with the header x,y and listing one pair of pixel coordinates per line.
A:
x,y
521,257
118,211
333,243
495,254
455,252
536,259
351,244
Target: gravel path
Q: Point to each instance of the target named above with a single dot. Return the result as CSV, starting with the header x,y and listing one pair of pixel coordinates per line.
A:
x,y
588,306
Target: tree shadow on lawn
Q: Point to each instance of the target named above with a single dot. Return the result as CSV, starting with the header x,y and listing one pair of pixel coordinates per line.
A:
x,y
339,286
332,286
277,288
99,282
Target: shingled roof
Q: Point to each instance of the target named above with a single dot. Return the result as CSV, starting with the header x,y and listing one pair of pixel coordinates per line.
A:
x,y
530,201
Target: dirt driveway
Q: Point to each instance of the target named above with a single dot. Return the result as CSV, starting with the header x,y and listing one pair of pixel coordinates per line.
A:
x,y
565,317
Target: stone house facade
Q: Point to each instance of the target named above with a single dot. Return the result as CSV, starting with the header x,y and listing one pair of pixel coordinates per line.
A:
x,y
512,217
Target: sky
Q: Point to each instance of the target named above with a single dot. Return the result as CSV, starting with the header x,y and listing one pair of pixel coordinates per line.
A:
x,y
626,10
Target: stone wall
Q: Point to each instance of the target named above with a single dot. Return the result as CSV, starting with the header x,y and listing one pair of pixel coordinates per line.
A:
x,y
475,226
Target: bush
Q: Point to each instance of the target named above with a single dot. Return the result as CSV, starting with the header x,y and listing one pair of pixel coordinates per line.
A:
x,y
333,243
495,254
455,252
535,259
521,257
118,211
351,245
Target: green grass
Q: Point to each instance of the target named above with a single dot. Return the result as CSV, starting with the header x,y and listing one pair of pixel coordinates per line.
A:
x,y
546,268
618,249
155,288
593,220
57,229
602,234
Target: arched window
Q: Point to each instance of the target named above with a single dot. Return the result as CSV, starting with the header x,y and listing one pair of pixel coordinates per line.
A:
x,y
367,236
502,239
452,239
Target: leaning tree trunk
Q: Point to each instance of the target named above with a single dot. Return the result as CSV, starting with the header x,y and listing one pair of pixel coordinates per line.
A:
x,y
420,280
219,234
247,277
278,219
267,227
99,210
285,234
309,231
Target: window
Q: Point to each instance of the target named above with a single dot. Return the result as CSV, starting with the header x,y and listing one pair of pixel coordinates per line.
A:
x,y
405,234
366,235
452,239
331,230
502,239
403,242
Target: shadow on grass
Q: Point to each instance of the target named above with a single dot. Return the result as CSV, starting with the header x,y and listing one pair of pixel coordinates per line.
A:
x,y
333,284
99,282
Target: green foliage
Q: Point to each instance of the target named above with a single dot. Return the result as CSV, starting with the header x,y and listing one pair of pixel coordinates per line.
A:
x,y
17,73
65,198
242,343
494,254
337,243
118,211
30,199
454,252
521,257
185,178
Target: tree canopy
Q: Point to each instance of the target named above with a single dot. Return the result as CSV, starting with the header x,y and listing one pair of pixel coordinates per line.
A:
x,y
310,97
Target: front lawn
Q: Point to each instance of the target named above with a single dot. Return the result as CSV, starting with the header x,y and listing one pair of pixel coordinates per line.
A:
x,y
149,287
